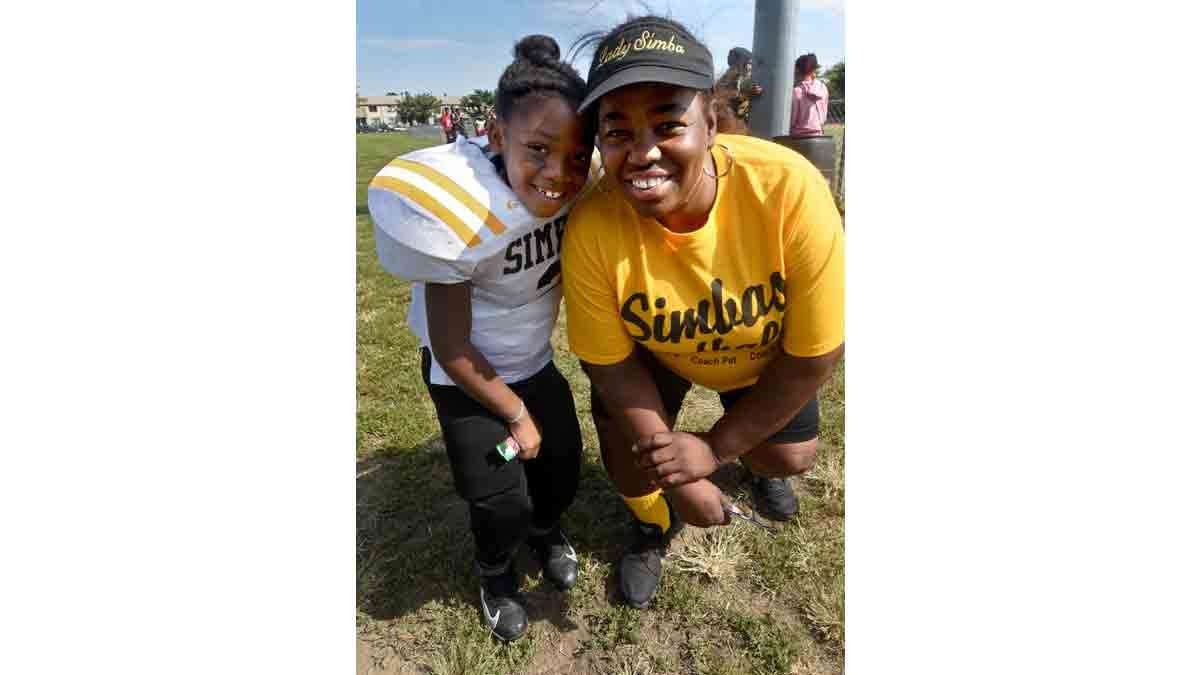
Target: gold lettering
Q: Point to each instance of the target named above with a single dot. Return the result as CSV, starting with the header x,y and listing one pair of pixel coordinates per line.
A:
x,y
647,40
615,52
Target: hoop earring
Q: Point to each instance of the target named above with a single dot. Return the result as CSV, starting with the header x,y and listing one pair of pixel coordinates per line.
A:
x,y
728,164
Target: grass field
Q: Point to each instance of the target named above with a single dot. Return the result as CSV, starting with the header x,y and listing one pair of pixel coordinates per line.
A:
x,y
733,599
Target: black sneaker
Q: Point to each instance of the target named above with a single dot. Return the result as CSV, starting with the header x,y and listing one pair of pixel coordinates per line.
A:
x,y
641,567
501,602
557,558
773,497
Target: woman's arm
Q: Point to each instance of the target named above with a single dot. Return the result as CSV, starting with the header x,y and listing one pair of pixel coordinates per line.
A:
x,y
786,386
629,395
448,314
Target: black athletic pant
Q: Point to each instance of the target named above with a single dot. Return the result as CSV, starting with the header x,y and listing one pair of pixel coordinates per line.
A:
x,y
507,499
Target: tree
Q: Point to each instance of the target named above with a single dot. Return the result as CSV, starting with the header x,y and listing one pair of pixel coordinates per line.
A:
x,y
425,105
479,102
418,109
835,75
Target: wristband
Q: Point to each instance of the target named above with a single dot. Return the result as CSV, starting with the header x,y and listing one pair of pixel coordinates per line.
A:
x,y
520,414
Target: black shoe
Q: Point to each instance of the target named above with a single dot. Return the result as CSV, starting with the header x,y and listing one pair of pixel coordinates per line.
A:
x,y
641,567
501,602
554,552
773,497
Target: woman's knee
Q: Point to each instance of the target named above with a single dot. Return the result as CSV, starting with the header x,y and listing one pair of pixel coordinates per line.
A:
x,y
700,506
782,460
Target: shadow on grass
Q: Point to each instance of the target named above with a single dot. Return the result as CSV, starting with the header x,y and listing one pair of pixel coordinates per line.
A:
x,y
414,542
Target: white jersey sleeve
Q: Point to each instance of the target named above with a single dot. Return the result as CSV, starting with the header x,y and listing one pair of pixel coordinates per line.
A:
x,y
430,213
405,240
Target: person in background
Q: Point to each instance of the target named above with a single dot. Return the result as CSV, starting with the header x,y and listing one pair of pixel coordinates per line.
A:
x,y
447,126
698,259
810,99
477,226
463,126
735,90
490,121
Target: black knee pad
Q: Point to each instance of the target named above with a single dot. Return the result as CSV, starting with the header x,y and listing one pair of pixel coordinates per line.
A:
x,y
479,470
512,507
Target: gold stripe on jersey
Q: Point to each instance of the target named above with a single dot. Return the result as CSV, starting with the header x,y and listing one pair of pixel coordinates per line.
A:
x,y
439,179
430,204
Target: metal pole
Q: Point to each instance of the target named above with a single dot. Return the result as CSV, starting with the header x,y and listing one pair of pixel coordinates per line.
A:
x,y
776,46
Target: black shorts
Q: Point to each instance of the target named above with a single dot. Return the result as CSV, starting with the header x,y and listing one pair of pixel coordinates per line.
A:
x,y
672,389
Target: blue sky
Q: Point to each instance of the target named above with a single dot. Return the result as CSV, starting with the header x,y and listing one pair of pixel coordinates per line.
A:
x,y
450,47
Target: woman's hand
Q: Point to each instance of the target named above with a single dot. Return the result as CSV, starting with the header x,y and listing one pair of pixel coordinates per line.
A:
x,y
676,458
528,436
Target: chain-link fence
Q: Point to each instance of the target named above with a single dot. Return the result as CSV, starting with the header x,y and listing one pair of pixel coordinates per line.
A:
x,y
839,182
837,112
835,125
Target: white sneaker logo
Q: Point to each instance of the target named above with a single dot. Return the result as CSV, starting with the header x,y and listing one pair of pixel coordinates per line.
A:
x,y
571,554
492,619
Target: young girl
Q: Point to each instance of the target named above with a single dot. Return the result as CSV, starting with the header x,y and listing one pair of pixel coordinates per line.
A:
x,y
477,225
699,259
810,98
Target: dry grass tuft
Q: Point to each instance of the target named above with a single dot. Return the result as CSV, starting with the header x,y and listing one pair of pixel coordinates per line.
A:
x,y
712,553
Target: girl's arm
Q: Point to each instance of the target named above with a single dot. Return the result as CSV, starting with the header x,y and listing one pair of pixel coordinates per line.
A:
x,y
448,314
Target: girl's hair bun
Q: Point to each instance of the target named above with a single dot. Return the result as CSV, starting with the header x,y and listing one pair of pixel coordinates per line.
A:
x,y
539,49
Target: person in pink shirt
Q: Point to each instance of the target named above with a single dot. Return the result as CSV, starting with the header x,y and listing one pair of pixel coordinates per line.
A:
x,y
810,99
447,125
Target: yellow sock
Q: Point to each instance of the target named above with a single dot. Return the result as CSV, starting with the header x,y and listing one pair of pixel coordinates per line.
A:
x,y
651,508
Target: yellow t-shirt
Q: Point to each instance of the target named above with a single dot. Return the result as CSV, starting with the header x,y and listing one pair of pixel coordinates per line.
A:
x,y
714,305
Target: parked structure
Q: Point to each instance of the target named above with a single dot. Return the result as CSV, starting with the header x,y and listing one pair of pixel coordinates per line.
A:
x,y
380,110
376,111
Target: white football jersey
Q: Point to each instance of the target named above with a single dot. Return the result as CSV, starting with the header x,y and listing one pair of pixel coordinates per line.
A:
x,y
444,215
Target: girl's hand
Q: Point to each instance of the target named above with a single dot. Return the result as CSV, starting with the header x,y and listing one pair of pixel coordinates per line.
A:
x,y
528,436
